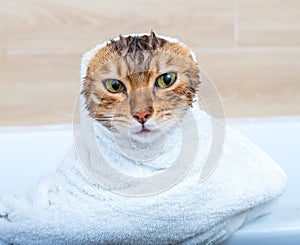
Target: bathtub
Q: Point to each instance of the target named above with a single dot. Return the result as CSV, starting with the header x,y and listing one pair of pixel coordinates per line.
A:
x,y
27,153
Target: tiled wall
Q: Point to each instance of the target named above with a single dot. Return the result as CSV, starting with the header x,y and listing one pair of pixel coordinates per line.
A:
x,y
249,48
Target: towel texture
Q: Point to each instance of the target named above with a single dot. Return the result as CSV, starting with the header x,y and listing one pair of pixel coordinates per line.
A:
x,y
69,206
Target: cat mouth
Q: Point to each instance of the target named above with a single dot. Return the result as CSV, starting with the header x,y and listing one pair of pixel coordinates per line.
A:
x,y
146,132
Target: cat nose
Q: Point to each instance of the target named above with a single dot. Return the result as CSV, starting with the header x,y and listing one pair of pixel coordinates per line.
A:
x,y
142,116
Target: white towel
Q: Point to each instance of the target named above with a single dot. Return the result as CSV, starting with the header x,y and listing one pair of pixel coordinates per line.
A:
x,y
70,207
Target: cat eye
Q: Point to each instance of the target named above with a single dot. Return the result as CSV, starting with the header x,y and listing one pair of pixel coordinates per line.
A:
x,y
166,80
114,85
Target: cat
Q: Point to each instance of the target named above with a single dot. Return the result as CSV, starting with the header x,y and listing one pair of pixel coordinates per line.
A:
x,y
141,86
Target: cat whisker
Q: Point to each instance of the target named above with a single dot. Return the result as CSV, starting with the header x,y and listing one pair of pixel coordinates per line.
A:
x,y
103,119
110,120
112,115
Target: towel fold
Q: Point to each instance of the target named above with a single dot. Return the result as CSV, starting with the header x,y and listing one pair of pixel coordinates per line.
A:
x,y
69,206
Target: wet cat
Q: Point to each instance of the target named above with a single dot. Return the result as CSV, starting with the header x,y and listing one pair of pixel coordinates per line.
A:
x,y
141,85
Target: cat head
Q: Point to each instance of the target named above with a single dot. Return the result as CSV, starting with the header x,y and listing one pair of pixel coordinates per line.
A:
x,y
141,85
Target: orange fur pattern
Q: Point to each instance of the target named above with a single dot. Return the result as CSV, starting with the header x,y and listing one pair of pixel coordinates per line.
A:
x,y
137,61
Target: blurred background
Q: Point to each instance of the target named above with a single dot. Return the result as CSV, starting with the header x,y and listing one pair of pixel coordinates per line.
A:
x,y
249,48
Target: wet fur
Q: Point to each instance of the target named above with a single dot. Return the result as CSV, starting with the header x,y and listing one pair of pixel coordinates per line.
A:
x,y
137,61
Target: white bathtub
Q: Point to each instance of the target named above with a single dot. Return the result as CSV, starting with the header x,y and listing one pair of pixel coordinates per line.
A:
x,y
26,153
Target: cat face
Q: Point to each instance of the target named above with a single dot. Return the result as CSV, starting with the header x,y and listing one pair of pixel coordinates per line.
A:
x,y
140,85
